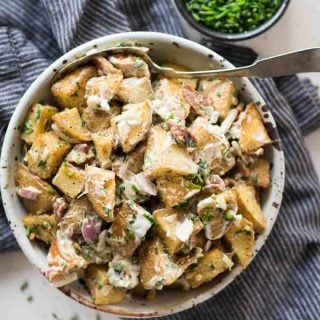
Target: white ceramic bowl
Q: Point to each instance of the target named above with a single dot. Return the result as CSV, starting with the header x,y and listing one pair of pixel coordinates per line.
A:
x,y
164,48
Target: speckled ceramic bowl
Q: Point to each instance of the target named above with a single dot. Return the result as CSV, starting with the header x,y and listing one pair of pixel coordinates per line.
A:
x,y
163,48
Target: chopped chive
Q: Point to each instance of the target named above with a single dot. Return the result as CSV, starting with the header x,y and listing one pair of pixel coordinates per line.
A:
x,y
24,286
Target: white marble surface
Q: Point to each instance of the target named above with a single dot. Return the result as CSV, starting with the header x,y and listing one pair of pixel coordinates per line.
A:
x,y
297,29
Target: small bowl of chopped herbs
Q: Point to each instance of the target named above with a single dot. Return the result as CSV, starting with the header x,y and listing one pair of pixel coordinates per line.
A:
x,y
229,20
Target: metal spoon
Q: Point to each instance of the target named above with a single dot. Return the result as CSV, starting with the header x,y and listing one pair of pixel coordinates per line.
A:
x,y
306,60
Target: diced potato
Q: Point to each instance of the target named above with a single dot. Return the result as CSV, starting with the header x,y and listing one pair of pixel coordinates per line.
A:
x,y
69,179
38,121
135,159
249,206
133,124
64,260
135,90
241,239
174,190
131,66
200,130
211,265
104,143
70,90
130,225
258,174
26,179
101,291
101,187
42,227
165,158
72,127
174,228
157,267
253,134
73,218
173,104
217,213
46,154
222,92
98,120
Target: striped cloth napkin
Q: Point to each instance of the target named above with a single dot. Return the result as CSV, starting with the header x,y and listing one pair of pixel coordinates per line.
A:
x,y
283,282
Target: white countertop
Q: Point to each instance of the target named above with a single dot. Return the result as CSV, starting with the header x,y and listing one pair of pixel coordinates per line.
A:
x,y
297,29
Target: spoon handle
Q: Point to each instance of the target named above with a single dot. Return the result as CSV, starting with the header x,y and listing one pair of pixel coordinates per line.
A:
x,y
306,60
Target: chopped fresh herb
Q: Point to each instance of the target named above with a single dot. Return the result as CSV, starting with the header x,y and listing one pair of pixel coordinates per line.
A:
x,y
98,317
52,191
229,215
218,94
75,93
149,217
188,141
122,187
131,205
171,116
211,266
27,128
77,251
181,204
159,283
100,286
131,221
62,264
38,112
138,63
42,164
254,179
30,298
70,174
118,268
135,188
232,16
206,216
54,316
193,186
75,317
83,123
24,286
129,235
247,230
106,210
29,230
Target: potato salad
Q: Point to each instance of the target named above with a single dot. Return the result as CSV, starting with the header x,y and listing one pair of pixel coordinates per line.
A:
x,y
137,183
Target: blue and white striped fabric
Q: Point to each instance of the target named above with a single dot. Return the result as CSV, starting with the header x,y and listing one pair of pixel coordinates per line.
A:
x,y
283,282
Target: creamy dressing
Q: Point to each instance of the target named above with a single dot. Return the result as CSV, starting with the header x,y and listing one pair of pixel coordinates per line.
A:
x,y
184,230
123,272
207,202
227,261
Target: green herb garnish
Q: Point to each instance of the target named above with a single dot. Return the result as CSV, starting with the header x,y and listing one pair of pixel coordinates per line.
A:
x,y
27,128
232,16
38,113
149,217
24,286
229,215
42,164
138,63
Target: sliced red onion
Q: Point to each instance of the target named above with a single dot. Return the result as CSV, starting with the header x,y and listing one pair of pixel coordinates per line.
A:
x,y
90,229
29,193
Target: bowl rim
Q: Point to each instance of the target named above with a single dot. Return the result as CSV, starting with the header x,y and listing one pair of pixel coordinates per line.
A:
x,y
8,140
216,35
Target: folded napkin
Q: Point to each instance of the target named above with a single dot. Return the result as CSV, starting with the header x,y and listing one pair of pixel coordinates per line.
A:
x,y
283,281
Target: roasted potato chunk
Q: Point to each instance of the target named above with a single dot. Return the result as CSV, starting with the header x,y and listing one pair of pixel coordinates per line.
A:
x,y
133,124
135,159
101,187
98,120
253,134
212,264
45,195
46,154
249,207
128,228
174,190
157,267
241,239
174,228
69,179
222,93
104,143
165,158
64,260
42,227
258,174
38,121
135,90
69,126
70,90
101,291
201,130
